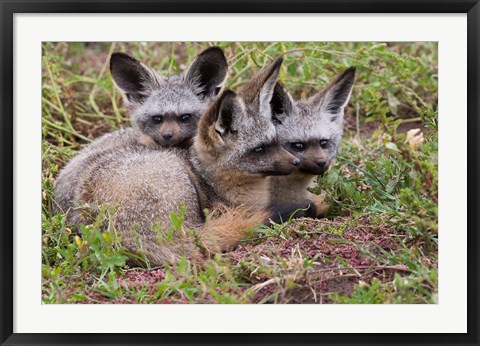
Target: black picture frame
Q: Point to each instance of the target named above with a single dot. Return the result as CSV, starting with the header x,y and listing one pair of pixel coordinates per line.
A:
x,y
9,7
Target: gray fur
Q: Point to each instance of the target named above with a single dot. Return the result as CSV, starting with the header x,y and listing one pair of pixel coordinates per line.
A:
x,y
148,94
309,121
158,105
146,185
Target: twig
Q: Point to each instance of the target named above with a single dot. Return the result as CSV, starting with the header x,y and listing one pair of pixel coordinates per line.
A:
x,y
261,285
332,52
411,120
357,120
115,106
397,268
60,108
73,132
104,68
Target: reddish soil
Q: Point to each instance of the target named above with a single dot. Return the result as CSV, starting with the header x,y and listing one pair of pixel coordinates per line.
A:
x,y
326,276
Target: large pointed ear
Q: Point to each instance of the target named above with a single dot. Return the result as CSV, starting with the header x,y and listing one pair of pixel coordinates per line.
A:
x,y
267,81
218,120
281,103
207,73
336,95
225,116
260,88
132,77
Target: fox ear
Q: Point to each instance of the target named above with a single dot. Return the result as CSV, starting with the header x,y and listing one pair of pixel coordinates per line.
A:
x,y
131,76
217,122
281,103
260,88
225,114
207,73
268,79
335,97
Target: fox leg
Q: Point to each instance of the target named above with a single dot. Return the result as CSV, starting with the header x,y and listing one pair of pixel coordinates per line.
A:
x,y
312,206
319,204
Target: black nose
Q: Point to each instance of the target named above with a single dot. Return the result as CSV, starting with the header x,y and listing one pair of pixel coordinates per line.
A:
x,y
321,163
167,135
296,162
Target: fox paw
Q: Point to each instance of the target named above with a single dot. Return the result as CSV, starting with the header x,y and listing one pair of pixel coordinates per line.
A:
x,y
321,207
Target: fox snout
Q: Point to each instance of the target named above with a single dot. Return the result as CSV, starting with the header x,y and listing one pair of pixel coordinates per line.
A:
x,y
313,159
316,165
320,166
168,138
169,134
284,162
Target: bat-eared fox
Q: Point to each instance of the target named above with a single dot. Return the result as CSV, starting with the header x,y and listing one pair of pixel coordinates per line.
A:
x,y
311,130
226,171
164,111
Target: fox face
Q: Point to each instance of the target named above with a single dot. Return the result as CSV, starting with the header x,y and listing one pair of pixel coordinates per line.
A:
x,y
238,134
167,109
312,129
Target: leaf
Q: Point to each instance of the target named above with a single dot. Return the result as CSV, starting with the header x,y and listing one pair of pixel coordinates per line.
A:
x,y
392,146
113,261
393,103
176,220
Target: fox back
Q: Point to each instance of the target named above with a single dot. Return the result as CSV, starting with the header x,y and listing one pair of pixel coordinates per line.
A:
x,y
164,112
310,129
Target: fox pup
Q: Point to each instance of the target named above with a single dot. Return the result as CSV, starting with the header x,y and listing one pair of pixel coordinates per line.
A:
x,y
311,130
226,171
164,111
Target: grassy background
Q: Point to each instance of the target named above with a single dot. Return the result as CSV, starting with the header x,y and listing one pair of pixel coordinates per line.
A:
x,y
378,245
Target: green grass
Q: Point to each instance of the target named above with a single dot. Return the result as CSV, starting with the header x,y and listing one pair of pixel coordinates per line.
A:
x,y
379,243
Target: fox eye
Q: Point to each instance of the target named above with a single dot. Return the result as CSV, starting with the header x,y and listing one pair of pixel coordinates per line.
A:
x,y
324,143
157,119
297,146
185,117
259,150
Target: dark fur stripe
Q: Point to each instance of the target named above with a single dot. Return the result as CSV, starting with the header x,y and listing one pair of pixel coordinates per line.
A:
x,y
282,213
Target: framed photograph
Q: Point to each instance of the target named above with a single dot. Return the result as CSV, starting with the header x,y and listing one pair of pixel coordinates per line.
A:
x,y
289,173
